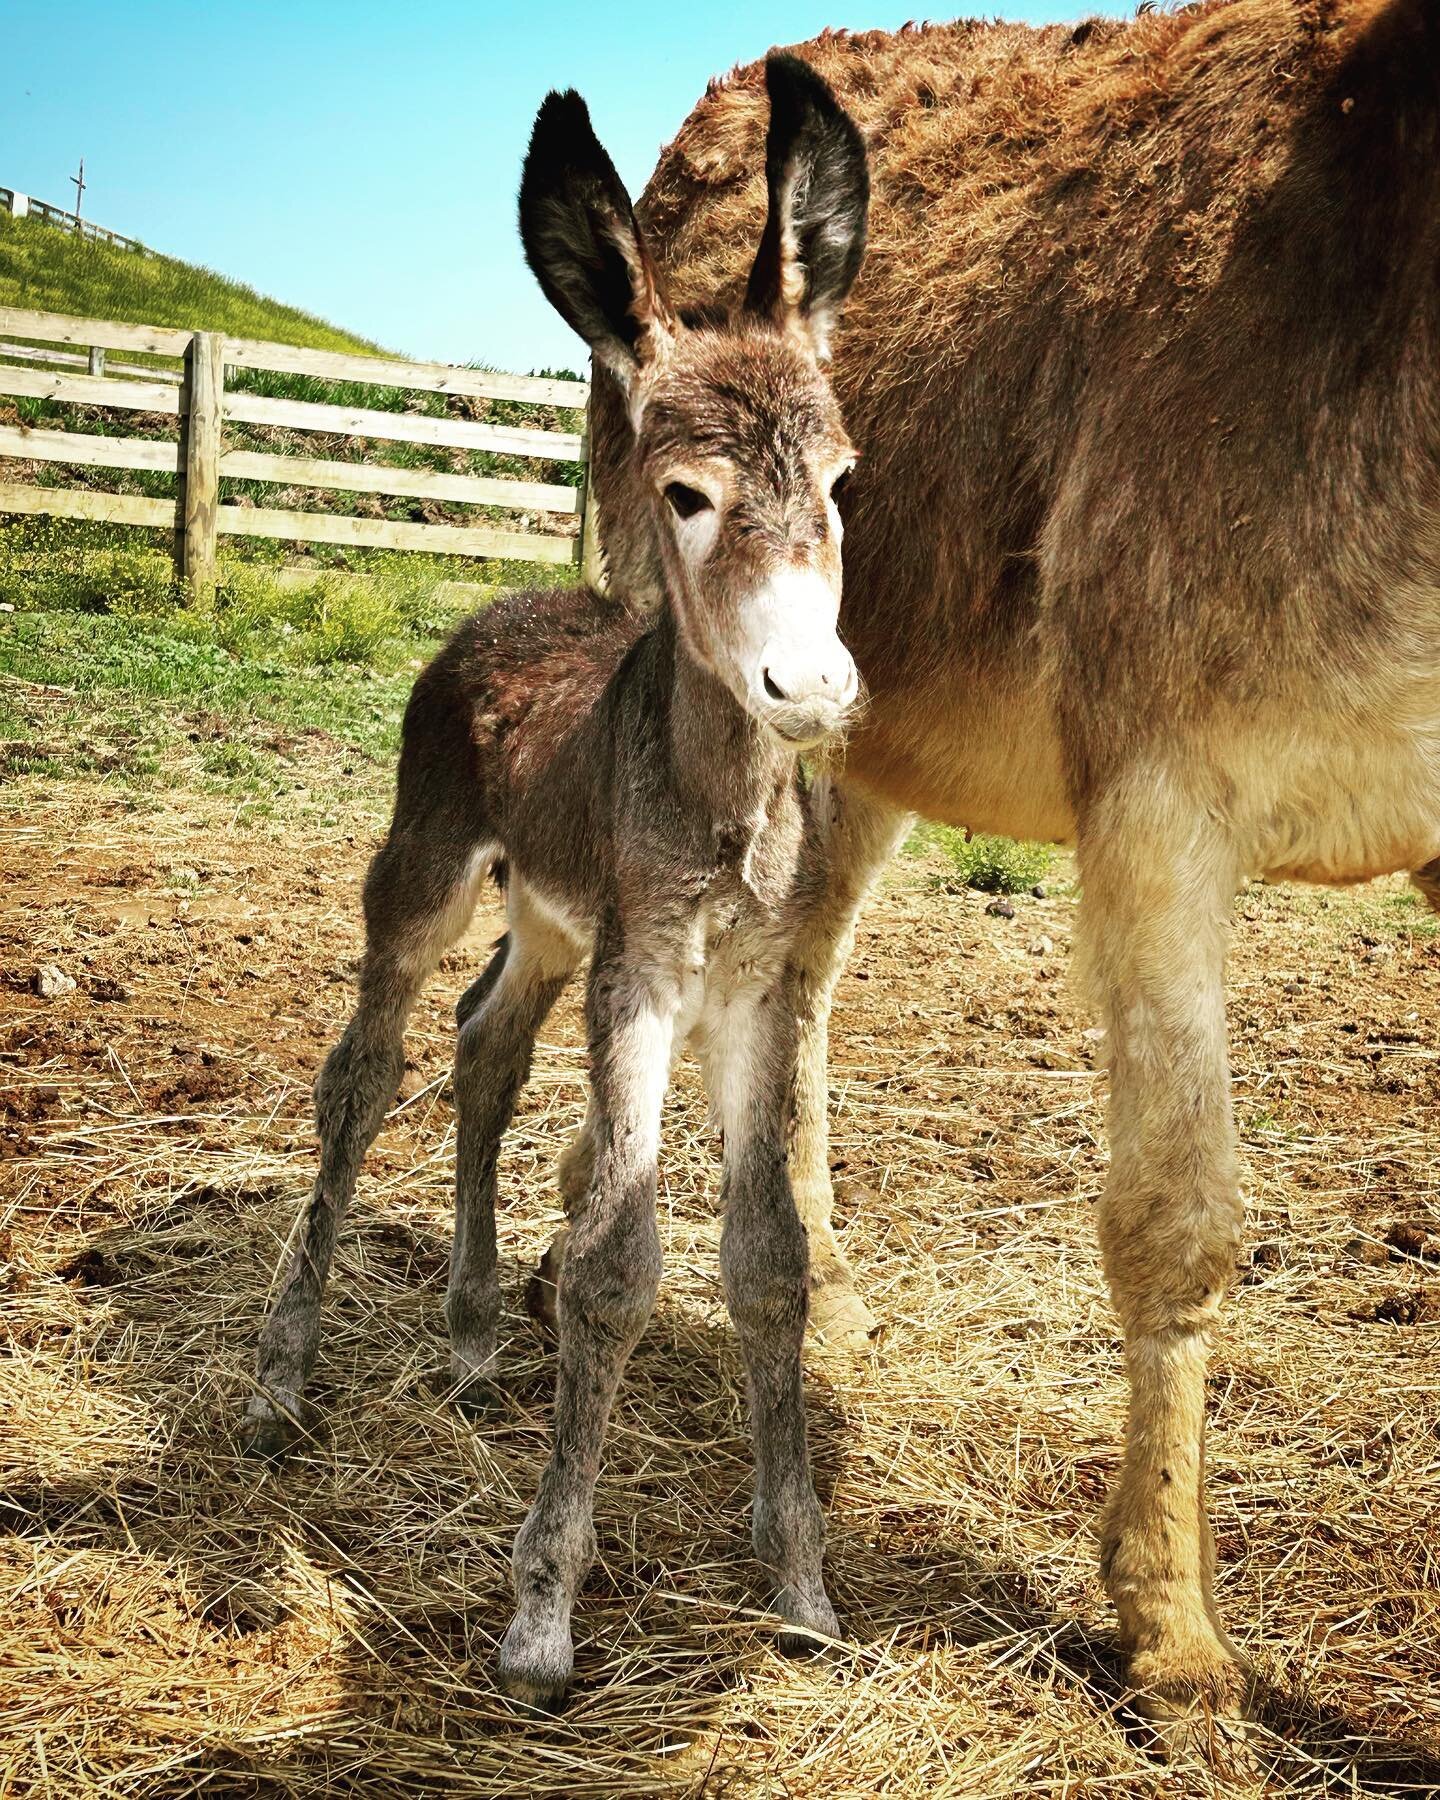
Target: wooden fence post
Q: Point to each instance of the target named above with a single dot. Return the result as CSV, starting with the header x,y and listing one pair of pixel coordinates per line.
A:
x,y
205,385
591,569
97,359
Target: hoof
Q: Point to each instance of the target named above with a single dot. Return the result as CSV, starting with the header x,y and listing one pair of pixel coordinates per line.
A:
x,y
839,1319
1192,1709
471,1388
798,1644
475,1397
534,1665
810,1626
270,1441
274,1428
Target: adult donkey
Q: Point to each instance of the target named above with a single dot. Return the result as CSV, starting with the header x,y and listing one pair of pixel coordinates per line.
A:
x,y
1143,553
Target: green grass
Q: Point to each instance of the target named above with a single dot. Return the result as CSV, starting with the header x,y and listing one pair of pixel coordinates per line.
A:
x,y
992,865
268,674
66,565
48,270
120,680
252,705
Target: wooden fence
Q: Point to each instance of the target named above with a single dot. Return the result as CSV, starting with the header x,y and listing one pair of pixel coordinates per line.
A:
x,y
25,206
197,395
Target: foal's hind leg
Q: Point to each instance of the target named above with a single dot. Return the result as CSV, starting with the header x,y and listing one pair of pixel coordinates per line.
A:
x,y
1428,882
419,895
492,1064
860,835
574,1176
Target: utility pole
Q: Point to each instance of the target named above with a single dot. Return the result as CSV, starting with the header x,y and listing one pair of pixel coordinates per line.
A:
x,y
78,183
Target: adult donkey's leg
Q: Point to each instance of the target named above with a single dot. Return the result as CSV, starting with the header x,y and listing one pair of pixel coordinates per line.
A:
x,y
765,1266
419,895
607,1291
861,834
492,1063
1158,879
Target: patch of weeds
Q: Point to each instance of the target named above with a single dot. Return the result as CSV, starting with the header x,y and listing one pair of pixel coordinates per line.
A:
x,y
35,410
46,565
1270,1123
1409,911
237,762
1378,913
990,865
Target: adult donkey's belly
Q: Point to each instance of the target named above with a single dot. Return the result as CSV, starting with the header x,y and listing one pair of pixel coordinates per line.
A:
x,y
987,760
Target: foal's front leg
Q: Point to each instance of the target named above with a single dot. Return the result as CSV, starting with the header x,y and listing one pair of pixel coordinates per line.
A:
x,y
749,1054
606,1294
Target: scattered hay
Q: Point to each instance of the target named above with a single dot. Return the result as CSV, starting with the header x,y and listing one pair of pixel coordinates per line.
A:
x,y
174,1619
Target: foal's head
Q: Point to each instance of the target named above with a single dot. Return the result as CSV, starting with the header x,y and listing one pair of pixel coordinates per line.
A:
x,y
739,443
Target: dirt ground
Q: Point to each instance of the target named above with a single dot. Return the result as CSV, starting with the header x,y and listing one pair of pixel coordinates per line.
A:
x,y
174,1619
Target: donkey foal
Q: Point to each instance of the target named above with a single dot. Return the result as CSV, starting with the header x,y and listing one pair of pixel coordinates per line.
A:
x,y
643,790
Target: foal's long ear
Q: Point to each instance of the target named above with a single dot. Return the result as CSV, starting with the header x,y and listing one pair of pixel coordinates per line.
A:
x,y
582,241
818,179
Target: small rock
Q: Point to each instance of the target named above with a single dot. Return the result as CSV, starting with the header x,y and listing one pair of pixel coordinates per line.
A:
x,y
50,982
1000,908
1408,1239
1419,1307
1043,946
1038,890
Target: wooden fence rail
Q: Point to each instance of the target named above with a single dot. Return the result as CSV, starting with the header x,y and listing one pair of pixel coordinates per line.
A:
x,y
24,206
195,394
94,362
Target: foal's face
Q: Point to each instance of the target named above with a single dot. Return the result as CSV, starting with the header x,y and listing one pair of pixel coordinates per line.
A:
x,y
737,433
743,452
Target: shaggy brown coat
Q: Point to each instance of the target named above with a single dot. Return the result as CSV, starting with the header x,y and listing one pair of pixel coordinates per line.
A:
x,y
1142,364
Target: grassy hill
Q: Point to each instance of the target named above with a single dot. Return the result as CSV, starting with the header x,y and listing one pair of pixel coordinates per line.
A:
x,y
48,270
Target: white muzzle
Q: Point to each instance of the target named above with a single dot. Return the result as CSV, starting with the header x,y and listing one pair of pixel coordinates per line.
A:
x,y
798,678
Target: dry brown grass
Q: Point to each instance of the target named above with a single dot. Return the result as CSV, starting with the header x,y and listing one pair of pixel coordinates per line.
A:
x,y
176,1620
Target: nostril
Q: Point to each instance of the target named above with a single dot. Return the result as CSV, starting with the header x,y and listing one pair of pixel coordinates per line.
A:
x,y
772,688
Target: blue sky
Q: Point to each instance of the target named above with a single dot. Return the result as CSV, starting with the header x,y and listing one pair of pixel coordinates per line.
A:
x,y
360,159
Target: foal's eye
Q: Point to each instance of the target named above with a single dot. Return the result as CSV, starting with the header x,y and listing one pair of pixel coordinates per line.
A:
x,y
685,502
